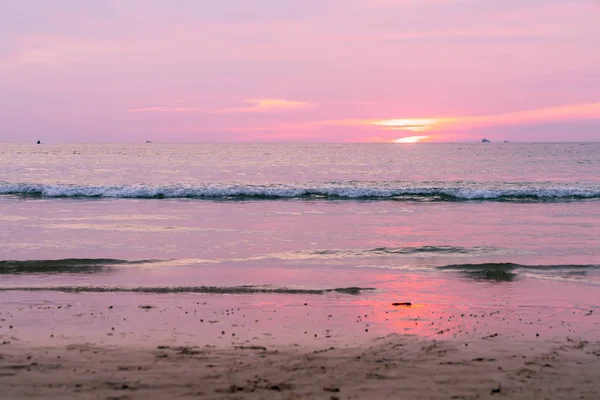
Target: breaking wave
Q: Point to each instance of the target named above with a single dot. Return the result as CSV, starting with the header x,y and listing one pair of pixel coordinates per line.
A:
x,y
506,272
409,250
513,266
394,252
68,265
367,190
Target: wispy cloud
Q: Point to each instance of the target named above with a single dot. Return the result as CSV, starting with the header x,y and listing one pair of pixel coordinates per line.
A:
x,y
403,124
165,109
443,34
550,114
252,106
409,124
265,105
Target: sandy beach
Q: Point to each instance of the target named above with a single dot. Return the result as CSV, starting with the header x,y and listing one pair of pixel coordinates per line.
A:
x,y
148,347
390,367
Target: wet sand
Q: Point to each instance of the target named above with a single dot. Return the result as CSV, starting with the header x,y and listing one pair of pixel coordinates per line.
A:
x,y
291,347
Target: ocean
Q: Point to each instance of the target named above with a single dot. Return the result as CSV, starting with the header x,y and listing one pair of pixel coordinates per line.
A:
x,y
468,225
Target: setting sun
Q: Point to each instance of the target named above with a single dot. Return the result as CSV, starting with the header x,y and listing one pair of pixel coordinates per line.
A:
x,y
411,139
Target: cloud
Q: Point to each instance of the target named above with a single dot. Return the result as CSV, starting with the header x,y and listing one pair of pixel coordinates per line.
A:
x,y
253,106
399,124
446,34
265,105
587,111
164,109
409,124
438,127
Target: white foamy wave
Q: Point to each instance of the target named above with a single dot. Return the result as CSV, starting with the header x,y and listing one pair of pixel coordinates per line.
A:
x,y
395,190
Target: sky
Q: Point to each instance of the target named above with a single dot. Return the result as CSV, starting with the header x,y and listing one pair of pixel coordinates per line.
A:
x,y
299,70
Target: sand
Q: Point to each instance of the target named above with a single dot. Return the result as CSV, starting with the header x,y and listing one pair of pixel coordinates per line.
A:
x,y
291,347
391,367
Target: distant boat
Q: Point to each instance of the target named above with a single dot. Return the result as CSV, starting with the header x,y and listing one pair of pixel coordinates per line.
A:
x,y
148,141
485,141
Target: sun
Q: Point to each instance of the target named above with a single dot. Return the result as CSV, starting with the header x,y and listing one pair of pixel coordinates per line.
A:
x,y
410,139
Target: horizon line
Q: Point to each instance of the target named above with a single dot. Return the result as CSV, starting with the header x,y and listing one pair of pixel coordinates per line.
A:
x,y
312,142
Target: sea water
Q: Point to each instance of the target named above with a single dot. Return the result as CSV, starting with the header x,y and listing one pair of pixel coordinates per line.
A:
x,y
428,223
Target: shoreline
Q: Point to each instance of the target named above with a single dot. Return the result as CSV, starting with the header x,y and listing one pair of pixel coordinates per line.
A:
x,y
139,346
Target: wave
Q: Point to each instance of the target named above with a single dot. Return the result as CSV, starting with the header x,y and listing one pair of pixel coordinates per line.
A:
x,y
93,265
506,272
68,265
411,251
188,289
513,266
367,190
96,265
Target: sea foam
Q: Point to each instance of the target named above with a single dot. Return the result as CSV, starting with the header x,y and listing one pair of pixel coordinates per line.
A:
x,y
391,190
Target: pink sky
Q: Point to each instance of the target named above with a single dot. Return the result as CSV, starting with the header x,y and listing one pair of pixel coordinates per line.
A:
x,y
299,71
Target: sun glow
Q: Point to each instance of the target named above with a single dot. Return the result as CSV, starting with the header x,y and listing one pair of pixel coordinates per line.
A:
x,y
411,139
